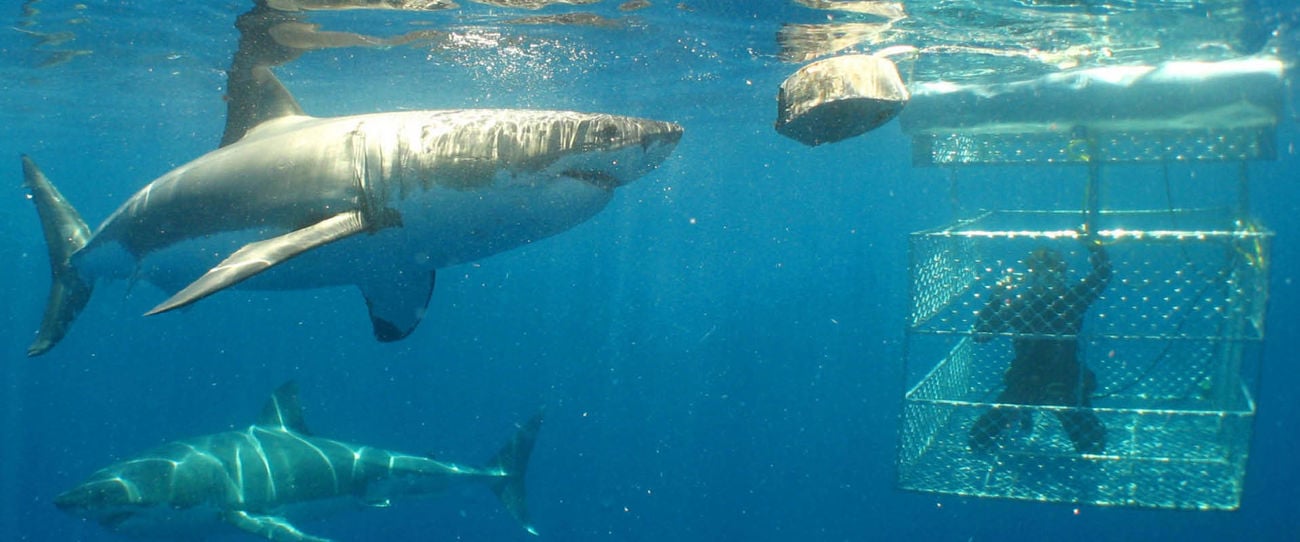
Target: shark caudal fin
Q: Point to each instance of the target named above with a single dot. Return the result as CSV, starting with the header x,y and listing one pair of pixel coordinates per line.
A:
x,y
513,461
65,234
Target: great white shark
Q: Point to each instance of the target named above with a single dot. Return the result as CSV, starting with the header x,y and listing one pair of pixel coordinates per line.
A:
x,y
264,478
379,200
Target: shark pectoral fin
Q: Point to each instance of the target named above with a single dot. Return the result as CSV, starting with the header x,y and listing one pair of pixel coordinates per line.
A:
x,y
256,257
397,303
270,528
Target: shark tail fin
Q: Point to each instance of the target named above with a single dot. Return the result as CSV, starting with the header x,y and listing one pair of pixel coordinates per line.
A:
x,y
65,234
513,461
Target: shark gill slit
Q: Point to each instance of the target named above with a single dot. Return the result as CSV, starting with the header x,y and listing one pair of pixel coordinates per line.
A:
x,y
271,491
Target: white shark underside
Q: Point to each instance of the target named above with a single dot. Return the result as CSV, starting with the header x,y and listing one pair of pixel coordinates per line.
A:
x,y
379,200
263,479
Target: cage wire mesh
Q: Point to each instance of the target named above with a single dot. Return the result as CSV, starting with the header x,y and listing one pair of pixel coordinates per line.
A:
x,y
1171,340
947,148
1176,274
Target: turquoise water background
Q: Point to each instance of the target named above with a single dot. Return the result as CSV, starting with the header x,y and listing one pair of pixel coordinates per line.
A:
x,y
719,352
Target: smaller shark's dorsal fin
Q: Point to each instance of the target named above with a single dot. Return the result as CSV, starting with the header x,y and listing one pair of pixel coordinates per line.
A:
x,y
254,98
282,410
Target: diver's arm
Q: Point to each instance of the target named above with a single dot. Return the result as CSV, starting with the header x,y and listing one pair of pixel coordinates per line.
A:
x,y
993,318
1099,277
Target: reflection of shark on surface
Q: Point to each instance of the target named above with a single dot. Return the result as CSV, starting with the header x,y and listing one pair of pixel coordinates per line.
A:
x,y
263,478
378,200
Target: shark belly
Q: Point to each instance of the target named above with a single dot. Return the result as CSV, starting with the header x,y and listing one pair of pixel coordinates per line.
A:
x,y
446,227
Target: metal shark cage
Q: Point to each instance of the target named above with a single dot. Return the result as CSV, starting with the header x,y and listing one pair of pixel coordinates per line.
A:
x,y
1174,338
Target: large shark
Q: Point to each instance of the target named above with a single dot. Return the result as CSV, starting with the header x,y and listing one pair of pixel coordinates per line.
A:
x,y
262,479
380,201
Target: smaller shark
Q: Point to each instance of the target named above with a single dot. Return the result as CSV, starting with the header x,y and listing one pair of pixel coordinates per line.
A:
x,y
261,479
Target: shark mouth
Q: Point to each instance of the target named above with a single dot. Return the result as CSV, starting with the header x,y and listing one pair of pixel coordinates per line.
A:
x,y
595,178
114,521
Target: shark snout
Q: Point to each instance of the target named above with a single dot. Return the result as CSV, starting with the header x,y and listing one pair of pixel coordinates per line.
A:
x,y
90,498
73,502
65,502
620,150
667,135
657,144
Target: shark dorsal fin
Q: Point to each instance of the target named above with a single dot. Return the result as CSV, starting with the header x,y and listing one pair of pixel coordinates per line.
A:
x,y
283,412
253,98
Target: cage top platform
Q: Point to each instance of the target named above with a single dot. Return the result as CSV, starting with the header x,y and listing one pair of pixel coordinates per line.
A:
x,y
1176,111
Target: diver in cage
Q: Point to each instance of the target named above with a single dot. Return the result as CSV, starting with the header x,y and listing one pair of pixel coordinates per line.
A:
x,y
1045,313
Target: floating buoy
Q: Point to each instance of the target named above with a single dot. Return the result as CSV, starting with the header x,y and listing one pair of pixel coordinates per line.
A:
x,y
839,98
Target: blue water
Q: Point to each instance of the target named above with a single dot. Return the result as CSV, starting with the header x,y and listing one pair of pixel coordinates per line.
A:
x,y
719,352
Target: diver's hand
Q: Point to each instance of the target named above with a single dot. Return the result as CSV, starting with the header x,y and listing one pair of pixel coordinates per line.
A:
x,y
1097,256
1090,239
1087,236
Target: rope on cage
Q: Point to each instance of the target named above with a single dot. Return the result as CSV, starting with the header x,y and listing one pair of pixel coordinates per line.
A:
x,y
1091,209
1164,352
1221,274
1219,279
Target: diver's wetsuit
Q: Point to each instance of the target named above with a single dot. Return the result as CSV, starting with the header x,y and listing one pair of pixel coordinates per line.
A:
x,y
1046,369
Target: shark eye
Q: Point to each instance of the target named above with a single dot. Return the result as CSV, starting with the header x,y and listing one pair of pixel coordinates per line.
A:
x,y
607,132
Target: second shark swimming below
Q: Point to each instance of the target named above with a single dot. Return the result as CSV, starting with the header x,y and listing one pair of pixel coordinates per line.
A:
x,y
264,478
380,201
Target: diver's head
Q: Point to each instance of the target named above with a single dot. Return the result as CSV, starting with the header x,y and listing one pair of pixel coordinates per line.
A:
x,y
1045,267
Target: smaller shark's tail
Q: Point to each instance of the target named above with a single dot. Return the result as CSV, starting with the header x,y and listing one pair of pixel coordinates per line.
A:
x,y
513,461
65,234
